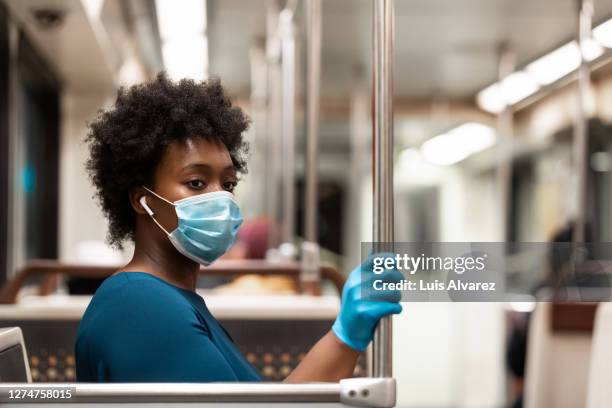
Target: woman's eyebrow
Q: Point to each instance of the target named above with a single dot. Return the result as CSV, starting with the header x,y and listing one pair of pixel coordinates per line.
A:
x,y
204,166
196,166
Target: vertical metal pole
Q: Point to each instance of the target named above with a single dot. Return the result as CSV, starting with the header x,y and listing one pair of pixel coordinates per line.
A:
x,y
581,147
313,38
360,130
504,131
259,132
273,117
310,249
382,65
288,122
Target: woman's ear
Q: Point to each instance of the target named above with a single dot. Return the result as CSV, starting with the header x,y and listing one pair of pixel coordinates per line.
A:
x,y
136,196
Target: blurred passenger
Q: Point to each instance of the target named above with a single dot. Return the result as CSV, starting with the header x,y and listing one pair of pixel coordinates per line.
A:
x,y
165,161
560,267
252,239
252,243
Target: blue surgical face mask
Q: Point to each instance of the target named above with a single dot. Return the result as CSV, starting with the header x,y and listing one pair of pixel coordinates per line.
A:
x,y
207,224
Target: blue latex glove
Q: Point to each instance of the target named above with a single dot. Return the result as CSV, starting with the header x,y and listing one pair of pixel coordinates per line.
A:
x,y
359,316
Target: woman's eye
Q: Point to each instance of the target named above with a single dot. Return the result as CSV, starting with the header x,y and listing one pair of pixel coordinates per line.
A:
x,y
230,185
196,184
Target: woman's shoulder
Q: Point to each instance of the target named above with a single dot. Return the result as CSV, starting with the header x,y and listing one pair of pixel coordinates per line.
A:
x,y
134,298
133,281
124,290
132,307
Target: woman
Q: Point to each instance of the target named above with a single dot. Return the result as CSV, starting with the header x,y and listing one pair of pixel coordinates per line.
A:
x,y
165,161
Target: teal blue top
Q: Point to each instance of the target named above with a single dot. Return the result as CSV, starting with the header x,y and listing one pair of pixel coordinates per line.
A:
x,y
140,328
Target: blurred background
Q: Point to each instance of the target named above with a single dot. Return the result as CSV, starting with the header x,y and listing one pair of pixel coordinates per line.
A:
x,y
487,116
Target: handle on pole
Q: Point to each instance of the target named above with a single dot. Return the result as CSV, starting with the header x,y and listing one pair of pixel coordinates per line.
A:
x,y
383,163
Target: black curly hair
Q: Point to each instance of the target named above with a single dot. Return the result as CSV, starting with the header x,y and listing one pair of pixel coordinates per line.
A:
x,y
127,141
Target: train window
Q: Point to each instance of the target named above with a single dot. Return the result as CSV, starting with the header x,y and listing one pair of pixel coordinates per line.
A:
x,y
600,171
541,178
418,210
330,213
39,96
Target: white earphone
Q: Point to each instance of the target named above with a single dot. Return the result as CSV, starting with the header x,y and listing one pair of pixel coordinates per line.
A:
x,y
143,202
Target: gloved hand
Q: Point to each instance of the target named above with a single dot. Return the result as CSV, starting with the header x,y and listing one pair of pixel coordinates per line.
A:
x,y
360,314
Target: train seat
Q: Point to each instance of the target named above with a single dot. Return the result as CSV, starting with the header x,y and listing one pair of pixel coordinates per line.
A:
x,y
274,332
14,365
558,350
600,376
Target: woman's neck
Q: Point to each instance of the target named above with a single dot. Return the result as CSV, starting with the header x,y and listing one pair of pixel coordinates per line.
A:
x,y
164,261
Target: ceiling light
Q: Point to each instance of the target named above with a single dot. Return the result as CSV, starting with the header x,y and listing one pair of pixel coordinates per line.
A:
x,y
182,28
562,61
514,88
442,150
591,49
518,86
458,144
491,99
186,58
180,18
603,34
555,64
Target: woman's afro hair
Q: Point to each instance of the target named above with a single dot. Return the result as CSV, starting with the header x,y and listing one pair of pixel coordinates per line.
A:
x,y
127,141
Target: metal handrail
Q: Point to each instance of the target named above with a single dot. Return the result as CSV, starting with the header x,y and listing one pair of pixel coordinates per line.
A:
x,y
53,268
204,392
364,392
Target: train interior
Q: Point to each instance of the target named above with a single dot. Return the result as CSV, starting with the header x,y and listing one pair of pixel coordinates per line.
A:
x,y
502,132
